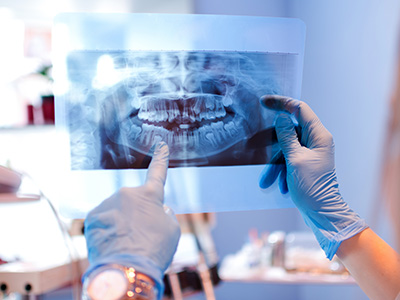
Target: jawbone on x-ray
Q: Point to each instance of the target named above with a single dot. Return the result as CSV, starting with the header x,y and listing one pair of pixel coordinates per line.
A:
x,y
203,104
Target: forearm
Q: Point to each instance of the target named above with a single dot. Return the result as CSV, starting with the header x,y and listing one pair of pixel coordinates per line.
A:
x,y
310,175
373,264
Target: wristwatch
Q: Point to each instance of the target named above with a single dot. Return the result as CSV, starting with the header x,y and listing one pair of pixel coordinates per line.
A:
x,y
116,282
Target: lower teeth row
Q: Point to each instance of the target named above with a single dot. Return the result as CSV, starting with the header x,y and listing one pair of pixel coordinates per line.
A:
x,y
213,135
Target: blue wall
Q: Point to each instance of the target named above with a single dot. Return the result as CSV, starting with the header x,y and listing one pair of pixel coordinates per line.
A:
x,y
273,8
351,50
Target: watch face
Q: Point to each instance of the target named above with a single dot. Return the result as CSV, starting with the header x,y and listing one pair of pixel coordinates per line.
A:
x,y
108,285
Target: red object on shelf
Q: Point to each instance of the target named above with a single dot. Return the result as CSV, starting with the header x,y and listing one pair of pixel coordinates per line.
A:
x,y
31,115
48,109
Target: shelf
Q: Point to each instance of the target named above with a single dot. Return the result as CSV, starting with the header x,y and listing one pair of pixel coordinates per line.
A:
x,y
36,279
281,276
17,198
27,128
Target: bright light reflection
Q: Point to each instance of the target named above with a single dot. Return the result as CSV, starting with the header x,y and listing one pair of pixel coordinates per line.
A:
x,y
130,294
106,74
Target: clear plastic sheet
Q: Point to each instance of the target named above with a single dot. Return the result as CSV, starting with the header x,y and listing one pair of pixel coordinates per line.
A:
x,y
125,81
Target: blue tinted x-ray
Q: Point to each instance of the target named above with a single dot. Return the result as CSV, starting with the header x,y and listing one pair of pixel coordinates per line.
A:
x,y
203,104
123,82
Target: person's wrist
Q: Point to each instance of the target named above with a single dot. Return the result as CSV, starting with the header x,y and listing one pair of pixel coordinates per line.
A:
x,y
141,263
114,281
341,225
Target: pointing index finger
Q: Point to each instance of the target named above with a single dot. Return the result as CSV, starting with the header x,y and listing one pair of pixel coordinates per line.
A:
x,y
157,171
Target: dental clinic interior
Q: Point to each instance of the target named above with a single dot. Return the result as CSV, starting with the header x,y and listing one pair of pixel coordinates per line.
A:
x,y
237,241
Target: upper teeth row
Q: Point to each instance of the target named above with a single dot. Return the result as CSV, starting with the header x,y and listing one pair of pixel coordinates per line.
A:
x,y
184,111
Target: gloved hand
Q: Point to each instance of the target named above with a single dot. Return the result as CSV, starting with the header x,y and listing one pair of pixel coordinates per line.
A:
x,y
131,227
310,174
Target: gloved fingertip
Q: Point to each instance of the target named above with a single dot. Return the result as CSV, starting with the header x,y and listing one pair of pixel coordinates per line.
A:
x,y
262,179
268,176
262,183
283,187
270,101
161,150
280,103
157,171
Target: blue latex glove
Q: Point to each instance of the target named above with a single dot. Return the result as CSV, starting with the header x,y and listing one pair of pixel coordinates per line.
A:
x,y
131,227
310,174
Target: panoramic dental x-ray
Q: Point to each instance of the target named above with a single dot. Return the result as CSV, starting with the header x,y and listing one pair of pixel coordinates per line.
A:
x,y
124,82
203,104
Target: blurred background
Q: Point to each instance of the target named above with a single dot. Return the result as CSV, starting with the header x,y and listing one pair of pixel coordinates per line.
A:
x,y
349,76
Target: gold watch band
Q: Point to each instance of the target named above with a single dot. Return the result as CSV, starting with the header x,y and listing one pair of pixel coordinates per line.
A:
x,y
135,285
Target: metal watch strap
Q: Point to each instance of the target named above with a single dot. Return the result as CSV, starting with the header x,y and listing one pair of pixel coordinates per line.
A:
x,y
139,285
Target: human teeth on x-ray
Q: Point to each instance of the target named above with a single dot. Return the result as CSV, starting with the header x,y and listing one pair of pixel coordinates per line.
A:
x,y
203,104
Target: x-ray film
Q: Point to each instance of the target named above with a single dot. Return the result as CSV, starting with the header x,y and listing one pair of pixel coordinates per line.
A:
x,y
127,81
203,104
